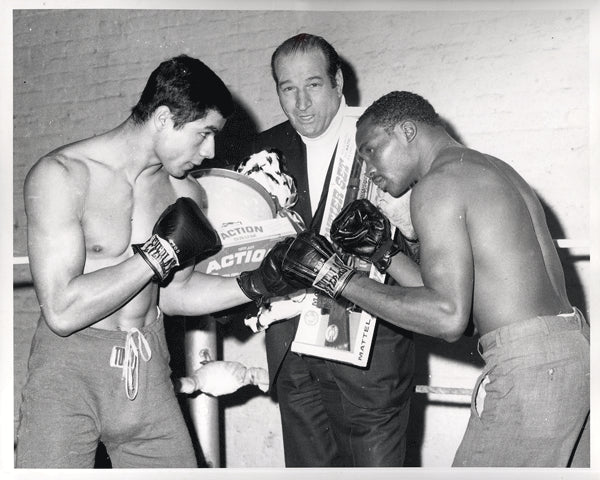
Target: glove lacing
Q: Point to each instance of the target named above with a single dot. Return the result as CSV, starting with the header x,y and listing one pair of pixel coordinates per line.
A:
x,y
131,361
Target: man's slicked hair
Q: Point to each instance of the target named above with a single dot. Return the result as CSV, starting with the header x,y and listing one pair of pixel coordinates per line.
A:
x,y
393,108
303,43
188,87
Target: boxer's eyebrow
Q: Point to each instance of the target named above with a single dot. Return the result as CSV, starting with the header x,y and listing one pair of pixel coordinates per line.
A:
x,y
211,128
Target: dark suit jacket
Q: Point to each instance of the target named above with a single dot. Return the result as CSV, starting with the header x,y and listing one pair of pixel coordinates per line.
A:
x,y
388,376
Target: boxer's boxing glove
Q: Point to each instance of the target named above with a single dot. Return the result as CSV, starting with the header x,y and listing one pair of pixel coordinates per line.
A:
x,y
267,280
311,261
181,233
362,230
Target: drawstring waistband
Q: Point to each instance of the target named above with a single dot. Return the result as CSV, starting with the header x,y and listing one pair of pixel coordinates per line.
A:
x,y
131,361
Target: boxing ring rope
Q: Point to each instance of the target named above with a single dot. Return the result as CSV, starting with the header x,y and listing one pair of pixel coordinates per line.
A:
x,y
443,390
560,243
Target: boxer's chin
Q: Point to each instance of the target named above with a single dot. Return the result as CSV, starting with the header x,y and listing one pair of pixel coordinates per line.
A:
x,y
179,173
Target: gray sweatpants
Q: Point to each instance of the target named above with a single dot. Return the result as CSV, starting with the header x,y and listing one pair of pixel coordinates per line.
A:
x,y
537,399
73,398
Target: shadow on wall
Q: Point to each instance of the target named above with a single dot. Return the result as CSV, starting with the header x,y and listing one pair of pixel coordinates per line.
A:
x,y
575,290
452,131
351,91
233,142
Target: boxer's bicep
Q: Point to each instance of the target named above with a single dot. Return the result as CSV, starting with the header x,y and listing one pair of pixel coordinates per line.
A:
x,y
55,240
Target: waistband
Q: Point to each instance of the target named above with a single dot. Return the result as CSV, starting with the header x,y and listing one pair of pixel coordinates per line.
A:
x,y
541,325
155,326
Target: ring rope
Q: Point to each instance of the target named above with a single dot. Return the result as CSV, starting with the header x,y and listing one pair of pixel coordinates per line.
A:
x,y
444,390
560,243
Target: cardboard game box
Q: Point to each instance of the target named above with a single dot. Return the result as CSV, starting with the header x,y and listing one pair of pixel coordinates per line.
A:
x,y
246,217
338,330
245,244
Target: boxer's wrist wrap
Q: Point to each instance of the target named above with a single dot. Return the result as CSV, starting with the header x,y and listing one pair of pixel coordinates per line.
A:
x,y
333,276
159,254
246,282
382,258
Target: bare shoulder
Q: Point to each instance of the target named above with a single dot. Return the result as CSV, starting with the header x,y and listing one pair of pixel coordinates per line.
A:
x,y
59,165
455,169
445,177
56,175
454,161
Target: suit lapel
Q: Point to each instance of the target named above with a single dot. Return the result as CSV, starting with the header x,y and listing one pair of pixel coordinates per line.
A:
x,y
297,168
318,218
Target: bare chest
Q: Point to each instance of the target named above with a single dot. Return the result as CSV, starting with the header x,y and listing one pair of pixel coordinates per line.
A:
x,y
118,214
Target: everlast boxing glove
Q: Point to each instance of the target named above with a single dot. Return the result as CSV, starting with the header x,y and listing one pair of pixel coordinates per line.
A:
x,y
182,233
362,230
311,262
267,280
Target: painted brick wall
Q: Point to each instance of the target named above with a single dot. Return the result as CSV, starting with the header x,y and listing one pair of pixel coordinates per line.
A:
x,y
510,83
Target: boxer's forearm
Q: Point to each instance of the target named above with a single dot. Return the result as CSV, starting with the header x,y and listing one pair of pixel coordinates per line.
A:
x,y
201,294
417,309
90,297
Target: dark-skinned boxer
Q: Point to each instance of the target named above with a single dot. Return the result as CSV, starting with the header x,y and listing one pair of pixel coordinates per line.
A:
x,y
486,254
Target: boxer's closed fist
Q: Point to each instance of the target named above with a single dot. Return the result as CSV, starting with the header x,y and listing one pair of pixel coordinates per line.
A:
x,y
267,280
311,262
182,233
362,230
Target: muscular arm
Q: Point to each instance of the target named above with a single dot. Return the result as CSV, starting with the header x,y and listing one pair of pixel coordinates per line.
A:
x,y
192,293
440,307
69,299
406,272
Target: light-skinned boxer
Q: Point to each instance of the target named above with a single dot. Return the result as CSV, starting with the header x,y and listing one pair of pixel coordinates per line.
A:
x,y
114,232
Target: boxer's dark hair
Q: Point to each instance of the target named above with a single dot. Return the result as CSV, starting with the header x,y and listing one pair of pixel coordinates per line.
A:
x,y
305,42
188,87
395,107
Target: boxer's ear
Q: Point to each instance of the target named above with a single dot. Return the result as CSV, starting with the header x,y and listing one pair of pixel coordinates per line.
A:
x,y
162,117
407,130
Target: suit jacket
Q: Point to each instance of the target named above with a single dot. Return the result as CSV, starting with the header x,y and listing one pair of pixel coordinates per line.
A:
x,y
387,378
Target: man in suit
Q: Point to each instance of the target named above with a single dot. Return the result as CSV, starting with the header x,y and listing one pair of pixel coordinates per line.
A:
x,y
332,414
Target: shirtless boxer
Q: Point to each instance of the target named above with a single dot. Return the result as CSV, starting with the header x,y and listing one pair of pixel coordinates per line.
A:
x,y
485,251
114,232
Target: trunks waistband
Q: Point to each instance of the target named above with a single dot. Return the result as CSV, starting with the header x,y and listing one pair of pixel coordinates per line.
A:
x,y
155,326
542,325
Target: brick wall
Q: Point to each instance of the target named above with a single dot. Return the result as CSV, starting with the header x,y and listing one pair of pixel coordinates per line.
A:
x,y
510,83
